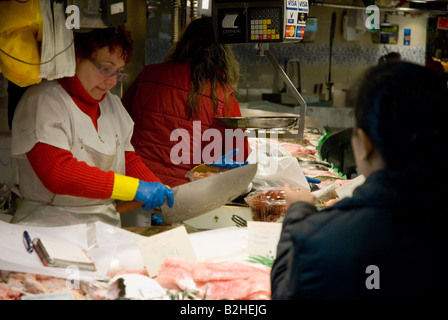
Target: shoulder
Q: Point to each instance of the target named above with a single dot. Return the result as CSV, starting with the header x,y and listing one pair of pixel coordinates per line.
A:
x,y
345,221
165,76
47,95
45,88
164,70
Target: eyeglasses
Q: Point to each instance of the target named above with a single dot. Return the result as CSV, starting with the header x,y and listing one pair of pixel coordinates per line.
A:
x,y
109,72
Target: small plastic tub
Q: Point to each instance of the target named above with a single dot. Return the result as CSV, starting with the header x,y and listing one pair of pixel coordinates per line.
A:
x,y
267,204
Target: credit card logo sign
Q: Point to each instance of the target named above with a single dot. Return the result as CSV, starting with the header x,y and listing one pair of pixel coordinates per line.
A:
x,y
300,31
303,4
292,3
290,31
292,17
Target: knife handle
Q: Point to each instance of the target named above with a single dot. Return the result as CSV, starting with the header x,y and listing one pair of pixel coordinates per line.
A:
x,y
125,206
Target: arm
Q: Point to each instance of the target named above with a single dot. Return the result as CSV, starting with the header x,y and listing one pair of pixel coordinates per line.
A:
x,y
137,169
61,173
283,275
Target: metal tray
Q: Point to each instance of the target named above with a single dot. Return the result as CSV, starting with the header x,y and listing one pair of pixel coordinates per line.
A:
x,y
265,122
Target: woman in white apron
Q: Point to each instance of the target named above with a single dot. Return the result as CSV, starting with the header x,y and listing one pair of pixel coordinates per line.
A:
x,y
71,138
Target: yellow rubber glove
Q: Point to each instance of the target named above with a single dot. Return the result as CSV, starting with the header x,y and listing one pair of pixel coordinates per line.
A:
x,y
151,194
125,188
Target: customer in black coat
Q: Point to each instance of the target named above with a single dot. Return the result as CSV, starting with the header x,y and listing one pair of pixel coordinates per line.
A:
x,y
390,239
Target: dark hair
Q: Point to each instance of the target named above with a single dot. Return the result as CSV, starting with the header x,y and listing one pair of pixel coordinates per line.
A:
x,y
211,62
403,108
390,57
87,43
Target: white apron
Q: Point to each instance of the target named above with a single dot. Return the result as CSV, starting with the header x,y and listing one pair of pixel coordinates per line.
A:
x,y
47,114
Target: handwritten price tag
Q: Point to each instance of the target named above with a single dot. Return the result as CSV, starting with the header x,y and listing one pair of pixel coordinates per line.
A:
x,y
263,238
174,243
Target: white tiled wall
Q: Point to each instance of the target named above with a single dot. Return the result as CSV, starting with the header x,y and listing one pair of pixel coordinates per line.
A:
x,y
349,58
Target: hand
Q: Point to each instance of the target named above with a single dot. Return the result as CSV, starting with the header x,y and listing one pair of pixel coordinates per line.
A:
x,y
226,161
153,194
295,195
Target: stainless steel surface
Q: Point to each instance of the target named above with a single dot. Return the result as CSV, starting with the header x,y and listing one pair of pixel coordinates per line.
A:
x,y
198,197
266,122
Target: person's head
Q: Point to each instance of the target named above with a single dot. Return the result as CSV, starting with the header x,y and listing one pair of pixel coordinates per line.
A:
x,y
211,62
390,57
101,55
401,119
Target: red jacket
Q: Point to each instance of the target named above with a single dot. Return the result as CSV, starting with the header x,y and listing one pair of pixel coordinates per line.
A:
x,y
157,102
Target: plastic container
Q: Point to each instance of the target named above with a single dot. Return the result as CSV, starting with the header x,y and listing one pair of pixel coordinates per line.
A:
x,y
267,204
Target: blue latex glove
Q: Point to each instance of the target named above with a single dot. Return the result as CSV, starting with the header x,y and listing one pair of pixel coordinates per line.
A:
x,y
153,194
156,220
312,180
226,161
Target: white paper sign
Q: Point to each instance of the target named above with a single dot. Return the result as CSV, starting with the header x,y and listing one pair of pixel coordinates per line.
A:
x,y
346,190
174,243
263,238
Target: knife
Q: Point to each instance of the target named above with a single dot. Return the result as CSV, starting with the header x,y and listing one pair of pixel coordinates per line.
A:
x,y
200,196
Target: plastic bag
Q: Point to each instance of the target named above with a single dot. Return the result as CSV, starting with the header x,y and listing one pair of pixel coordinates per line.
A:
x,y
276,166
20,34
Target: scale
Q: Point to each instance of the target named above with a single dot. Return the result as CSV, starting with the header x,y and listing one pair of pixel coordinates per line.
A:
x,y
264,124
261,23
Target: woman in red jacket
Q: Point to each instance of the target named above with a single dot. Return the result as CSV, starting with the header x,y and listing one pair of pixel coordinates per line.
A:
x,y
174,105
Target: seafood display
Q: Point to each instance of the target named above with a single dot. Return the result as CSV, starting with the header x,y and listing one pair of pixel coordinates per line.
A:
x,y
180,279
296,149
17,286
268,204
235,280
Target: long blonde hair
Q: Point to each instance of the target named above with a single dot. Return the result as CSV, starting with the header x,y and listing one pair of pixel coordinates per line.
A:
x,y
211,62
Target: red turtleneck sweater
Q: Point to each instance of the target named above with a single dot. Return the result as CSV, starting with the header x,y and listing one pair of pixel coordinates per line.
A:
x,y
61,173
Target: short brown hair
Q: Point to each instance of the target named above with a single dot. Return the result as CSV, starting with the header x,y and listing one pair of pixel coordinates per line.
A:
x,y
87,43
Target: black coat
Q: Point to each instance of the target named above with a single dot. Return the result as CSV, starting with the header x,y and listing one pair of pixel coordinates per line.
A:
x,y
391,237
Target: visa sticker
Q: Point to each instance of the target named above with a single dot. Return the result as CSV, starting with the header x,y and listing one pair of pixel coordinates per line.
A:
x,y
291,4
